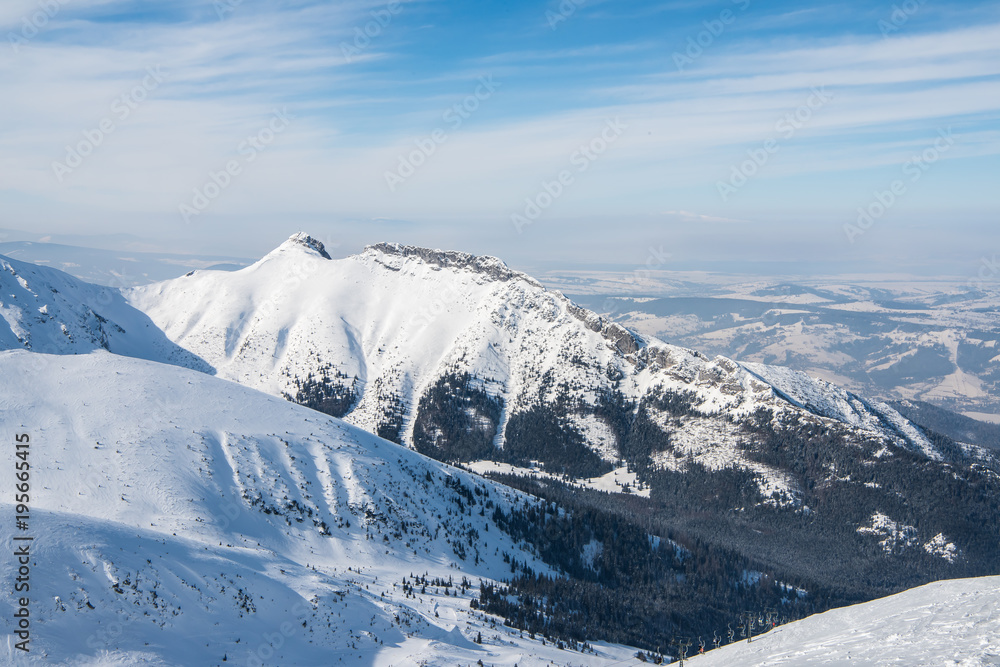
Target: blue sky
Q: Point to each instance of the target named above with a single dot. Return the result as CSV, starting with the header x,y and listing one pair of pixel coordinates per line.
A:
x,y
725,132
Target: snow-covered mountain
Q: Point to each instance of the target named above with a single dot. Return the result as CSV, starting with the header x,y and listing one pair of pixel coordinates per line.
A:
x,y
179,519
466,360
751,484
944,623
372,336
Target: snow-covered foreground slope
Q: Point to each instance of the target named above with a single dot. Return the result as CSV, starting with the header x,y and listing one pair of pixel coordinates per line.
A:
x,y
954,623
181,519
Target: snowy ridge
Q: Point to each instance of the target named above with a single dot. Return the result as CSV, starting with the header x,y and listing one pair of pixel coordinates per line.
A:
x,y
180,519
49,311
828,400
817,396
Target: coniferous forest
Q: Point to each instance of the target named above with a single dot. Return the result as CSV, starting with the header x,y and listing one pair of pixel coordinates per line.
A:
x,y
706,545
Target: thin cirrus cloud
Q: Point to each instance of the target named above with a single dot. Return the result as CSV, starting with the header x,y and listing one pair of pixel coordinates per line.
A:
x,y
360,106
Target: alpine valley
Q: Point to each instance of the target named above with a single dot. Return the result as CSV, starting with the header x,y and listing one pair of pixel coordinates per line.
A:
x,y
412,456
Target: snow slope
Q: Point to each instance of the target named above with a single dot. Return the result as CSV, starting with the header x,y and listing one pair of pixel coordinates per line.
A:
x,y
948,623
180,519
49,311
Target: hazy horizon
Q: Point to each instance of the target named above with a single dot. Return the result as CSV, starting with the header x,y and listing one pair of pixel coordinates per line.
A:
x,y
573,134
115,253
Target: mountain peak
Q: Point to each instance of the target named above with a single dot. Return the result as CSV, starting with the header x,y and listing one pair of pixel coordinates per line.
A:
x,y
300,240
485,264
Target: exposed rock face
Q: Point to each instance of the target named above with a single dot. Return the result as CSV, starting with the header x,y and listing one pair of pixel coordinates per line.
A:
x,y
450,259
307,241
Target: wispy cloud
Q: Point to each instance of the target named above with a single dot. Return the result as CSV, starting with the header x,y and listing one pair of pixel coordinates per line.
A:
x,y
355,117
688,216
